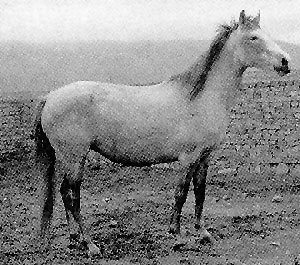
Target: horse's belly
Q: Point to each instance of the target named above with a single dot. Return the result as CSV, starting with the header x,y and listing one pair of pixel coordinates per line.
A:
x,y
130,148
141,141
135,134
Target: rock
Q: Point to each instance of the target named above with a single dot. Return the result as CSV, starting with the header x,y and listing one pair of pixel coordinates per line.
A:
x,y
281,169
296,170
227,171
276,244
226,197
106,199
2,170
293,93
163,165
185,260
297,260
179,243
113,223
277,198
257,169
234,262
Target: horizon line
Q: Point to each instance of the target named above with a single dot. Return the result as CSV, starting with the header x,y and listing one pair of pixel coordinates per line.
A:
x,y
81,41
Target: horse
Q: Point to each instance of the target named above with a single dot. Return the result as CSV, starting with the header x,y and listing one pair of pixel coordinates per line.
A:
x,y
183,118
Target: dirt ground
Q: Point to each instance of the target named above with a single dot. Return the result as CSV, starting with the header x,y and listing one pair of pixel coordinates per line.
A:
x,y
128,210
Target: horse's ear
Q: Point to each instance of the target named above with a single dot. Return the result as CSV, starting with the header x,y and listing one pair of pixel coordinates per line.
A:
x,y
256,20
242,19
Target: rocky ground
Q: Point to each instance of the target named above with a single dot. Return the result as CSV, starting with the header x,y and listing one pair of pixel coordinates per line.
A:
x,y
254,218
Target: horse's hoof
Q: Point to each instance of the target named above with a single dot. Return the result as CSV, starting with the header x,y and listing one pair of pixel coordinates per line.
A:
x,y
74,242
74,238
179,243
205,237
93,250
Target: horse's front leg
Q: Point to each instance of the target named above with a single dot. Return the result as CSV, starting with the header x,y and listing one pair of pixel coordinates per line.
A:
x,y
181,192
199,182
197,171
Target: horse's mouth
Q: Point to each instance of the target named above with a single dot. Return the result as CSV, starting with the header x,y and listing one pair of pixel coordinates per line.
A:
x,y
282,70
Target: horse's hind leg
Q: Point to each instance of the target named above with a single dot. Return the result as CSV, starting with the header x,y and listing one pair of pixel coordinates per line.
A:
x,y
66,194
70,191
48,201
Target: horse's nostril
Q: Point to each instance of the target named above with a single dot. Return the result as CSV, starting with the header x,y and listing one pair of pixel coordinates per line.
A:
x,y
284,62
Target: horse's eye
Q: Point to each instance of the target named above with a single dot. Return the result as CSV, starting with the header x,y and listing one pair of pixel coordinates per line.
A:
x,y
252,38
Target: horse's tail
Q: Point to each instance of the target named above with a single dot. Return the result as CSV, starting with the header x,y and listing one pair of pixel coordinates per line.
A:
x,y
45,160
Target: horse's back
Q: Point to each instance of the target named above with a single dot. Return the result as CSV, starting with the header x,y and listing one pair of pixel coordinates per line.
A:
x,y
84,96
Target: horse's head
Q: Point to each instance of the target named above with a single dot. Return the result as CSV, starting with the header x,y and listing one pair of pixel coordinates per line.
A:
x,y
252,47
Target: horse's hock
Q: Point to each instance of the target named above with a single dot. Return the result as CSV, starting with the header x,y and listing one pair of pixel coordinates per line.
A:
x,y
264,129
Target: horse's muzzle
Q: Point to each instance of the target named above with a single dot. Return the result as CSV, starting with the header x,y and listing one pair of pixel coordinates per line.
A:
x,y
284,68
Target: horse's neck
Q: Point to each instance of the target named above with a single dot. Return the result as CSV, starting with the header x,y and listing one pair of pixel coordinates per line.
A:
x,y
224,79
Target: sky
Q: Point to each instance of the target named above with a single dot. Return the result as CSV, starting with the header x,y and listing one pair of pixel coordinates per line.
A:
x,y
131,20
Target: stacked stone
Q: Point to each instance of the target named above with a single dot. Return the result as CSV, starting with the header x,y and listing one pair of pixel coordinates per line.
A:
x,y
15,128
264,128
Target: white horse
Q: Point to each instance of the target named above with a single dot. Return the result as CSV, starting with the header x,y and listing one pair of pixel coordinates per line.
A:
x,y
181,119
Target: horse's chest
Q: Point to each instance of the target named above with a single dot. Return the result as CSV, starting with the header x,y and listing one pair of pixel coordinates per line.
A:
x,y
210,118
205,129
215,118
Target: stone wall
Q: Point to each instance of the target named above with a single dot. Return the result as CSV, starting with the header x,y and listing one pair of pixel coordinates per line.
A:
x,y
15,128
264,127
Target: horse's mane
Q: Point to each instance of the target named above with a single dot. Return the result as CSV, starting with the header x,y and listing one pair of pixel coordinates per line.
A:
x,y
195,76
